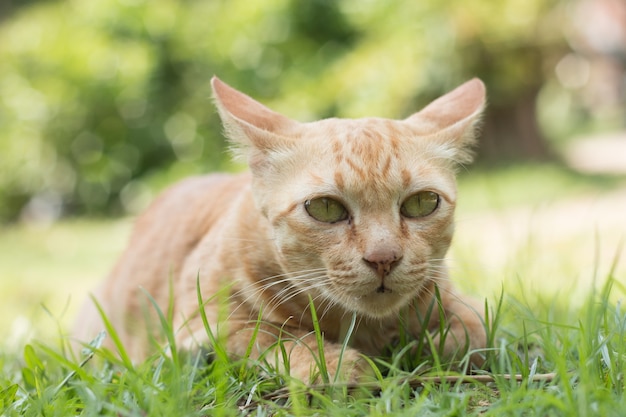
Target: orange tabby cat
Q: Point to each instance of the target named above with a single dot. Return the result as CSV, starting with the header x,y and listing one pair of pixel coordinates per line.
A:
x,y
355,215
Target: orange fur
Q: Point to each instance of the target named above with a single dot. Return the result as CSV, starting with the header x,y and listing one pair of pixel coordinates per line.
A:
x,y
252,244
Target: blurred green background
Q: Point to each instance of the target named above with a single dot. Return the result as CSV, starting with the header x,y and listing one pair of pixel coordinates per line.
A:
x,y
102,102
105,102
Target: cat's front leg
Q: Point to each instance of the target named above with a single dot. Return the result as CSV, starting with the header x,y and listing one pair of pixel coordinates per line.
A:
x,y
463,330
295,351
289,350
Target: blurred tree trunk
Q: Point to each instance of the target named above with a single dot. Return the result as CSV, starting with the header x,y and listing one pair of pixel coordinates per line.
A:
x,y
510,131
514,75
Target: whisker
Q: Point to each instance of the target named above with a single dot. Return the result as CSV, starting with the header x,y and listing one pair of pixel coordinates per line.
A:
x,y
325,299
286,298
288,276
237,239
290,292
294,285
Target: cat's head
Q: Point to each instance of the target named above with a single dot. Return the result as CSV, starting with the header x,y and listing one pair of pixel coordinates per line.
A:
x,y
362,210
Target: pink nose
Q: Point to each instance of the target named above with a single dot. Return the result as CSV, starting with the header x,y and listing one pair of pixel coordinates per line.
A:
x,y
382,260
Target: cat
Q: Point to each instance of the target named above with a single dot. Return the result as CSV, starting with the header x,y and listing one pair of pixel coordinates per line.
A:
x,y
353,215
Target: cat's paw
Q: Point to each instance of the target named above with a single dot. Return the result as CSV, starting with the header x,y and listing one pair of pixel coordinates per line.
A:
x,y
459,341
351,369
347,367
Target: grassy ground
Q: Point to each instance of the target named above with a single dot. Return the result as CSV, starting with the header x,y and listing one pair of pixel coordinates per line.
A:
x,y
539,243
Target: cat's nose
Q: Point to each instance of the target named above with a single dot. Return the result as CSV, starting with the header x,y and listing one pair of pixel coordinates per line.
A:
x,y
382,260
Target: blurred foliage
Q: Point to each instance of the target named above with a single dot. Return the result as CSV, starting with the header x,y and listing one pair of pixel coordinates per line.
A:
x,y
104,100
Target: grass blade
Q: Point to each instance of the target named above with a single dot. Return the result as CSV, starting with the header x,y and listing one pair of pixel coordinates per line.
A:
x,y
319,337
117,342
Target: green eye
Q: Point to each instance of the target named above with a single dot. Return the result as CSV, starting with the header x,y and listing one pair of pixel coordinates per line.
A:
x,y
326,210
420,204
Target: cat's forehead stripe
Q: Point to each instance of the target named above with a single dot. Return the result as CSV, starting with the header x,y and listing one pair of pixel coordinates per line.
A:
x,y
356,166
407,178
339,181
337,147
374,160
375,146
386,166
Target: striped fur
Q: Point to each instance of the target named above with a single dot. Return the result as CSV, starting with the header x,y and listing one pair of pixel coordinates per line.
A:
x,y
255,249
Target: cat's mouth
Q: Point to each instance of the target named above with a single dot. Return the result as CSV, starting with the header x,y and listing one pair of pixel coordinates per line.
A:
x,y
372,295
381,302
383,290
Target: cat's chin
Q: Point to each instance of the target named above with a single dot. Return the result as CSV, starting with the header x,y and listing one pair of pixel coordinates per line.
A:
x,y
379,304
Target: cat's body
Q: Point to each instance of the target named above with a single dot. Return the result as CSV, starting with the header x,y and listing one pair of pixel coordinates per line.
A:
x,y
356,215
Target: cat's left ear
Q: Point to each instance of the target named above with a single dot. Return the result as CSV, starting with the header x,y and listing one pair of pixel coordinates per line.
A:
x,y
254,130
451,120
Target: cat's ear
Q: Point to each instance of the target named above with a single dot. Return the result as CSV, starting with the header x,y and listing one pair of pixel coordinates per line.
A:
x,y
253,129
452,119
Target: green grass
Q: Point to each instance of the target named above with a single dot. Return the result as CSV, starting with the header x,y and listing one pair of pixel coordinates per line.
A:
x,y
585,348
525,184
52,266
553,293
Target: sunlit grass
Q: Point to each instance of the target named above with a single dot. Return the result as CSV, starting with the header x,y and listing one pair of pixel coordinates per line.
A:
x,y
52,266
542,241
582,351
539,229
527,185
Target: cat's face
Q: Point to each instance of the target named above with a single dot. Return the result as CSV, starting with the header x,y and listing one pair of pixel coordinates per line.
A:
x,y
362,210
373,209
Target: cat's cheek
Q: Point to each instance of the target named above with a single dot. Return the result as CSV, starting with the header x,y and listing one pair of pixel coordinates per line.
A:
x,y
432,240
301,254
305,236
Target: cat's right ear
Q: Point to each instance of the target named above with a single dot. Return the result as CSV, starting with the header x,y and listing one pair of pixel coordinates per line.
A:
x,y
254,130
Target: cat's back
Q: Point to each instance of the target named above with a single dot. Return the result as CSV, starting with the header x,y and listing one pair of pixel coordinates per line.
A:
x,y
162,239
178,219
192,205
169,230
